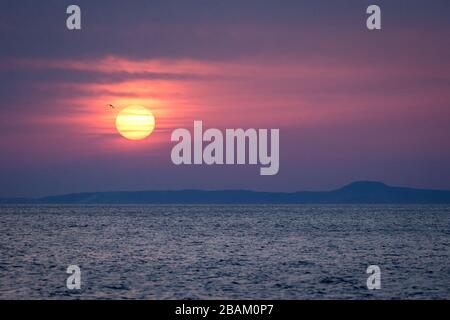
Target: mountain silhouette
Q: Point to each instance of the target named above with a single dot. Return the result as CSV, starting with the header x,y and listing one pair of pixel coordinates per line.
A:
x,y
360,192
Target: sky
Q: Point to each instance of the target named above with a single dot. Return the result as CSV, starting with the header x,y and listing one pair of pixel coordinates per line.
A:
x,y
351,104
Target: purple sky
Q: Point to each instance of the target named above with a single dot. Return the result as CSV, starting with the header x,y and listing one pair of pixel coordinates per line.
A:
x,y
351,104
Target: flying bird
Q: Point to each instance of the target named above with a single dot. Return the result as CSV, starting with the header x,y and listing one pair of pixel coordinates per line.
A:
x,y
111,106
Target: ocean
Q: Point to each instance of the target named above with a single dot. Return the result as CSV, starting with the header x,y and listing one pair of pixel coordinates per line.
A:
x,y
225,251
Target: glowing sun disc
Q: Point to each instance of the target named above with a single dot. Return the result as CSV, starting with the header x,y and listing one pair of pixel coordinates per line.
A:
x,y
135,122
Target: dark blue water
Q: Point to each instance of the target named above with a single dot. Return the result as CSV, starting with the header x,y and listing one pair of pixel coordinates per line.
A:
x,y
232,252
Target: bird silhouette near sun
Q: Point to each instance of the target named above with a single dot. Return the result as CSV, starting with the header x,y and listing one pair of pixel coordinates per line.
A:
x,y
134,122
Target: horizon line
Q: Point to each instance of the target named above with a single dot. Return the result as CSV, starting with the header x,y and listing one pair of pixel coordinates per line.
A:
x,y
367,182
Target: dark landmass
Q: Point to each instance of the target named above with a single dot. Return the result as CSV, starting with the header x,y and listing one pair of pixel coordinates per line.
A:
x,y
362,192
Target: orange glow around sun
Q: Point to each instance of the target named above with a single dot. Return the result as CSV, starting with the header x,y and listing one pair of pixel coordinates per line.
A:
x,y
135,122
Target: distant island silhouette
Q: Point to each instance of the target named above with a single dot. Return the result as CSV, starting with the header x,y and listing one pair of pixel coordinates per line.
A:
x,y
361,192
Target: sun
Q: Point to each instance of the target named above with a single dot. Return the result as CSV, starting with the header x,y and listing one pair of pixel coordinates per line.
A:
x,y
135,122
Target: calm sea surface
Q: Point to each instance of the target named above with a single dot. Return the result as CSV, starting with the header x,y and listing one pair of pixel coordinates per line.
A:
x,y
231,252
